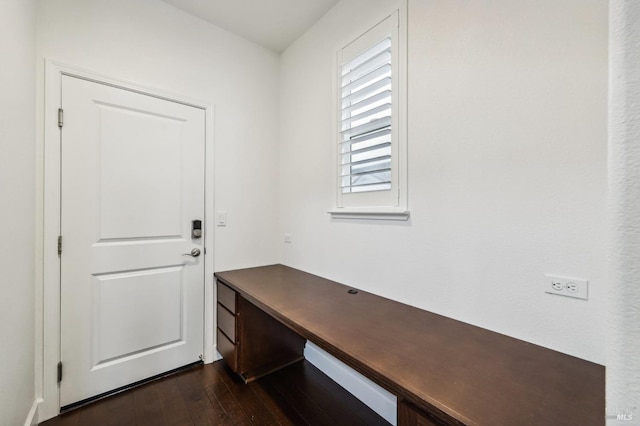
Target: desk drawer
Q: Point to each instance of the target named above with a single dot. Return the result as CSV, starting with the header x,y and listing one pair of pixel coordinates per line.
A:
x,y
227,297
227,323
228,350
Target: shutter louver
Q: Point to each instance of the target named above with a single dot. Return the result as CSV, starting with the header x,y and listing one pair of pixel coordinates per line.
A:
x,y
365,125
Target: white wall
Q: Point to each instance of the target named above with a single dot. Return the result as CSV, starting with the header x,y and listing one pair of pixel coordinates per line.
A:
x,y
623,344
17,195
507,166
157,45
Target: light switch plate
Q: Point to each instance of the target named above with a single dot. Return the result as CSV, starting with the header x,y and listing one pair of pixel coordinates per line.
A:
x,y
221,218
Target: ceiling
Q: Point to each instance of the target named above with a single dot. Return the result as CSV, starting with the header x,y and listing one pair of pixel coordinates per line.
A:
x,y
274,24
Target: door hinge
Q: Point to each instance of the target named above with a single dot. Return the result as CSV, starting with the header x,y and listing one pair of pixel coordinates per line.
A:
x,y
60,117
59,245
59,371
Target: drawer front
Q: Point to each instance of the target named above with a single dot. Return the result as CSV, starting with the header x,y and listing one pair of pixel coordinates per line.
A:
x,y
227,350
227,323
226,297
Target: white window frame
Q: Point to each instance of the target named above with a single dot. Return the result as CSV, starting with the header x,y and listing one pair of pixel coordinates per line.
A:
x,y
387,204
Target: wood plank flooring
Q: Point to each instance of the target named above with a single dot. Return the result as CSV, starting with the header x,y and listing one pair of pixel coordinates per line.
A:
x,y
213,395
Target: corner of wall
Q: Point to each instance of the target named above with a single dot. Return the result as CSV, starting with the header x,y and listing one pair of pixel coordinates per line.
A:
x,y
623,334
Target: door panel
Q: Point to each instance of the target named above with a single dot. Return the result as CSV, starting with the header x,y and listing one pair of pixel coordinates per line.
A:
x,y
117,300
132,306
158,149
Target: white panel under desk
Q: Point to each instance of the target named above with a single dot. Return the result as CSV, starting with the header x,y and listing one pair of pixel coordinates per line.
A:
x,y
378,399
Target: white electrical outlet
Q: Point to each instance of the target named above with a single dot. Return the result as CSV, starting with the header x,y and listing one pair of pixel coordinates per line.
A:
x,y
566,286
288,238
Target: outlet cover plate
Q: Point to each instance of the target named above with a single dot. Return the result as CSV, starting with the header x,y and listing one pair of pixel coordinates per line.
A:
x,y
566,286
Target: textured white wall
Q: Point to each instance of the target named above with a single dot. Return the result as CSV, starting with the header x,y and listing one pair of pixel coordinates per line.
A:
x,y
157,45
17,197
507,166
623,355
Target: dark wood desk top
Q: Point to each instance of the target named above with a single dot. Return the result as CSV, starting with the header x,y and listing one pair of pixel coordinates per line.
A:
x,y
474,375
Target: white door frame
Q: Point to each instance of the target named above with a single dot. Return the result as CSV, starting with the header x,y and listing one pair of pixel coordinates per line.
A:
x,y
48,216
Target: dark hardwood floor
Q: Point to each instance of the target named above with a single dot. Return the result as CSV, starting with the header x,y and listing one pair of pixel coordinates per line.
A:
x,y
213,395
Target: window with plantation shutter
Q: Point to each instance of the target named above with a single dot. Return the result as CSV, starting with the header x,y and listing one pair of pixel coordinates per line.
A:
x,y
366,120
371,173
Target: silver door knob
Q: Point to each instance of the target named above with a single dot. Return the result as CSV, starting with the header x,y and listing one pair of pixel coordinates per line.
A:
x,y
194,253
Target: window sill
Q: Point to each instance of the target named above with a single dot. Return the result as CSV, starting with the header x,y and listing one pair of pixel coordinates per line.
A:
x,y
370,214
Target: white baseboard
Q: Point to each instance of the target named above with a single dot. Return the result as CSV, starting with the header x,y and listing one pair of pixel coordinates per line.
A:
x,y
378,399
32,417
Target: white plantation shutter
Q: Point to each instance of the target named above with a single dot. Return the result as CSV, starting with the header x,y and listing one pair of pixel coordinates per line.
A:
x,y
367,118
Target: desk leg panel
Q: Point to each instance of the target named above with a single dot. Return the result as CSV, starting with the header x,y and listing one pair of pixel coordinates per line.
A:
x,y
264,344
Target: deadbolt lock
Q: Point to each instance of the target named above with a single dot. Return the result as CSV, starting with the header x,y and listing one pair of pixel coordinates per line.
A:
x,y
196,229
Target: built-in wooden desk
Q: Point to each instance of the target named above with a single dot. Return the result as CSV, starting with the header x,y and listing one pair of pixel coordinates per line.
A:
x,y
442,370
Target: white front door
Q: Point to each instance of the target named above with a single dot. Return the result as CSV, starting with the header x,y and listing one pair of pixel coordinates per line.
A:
x,y
132,305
